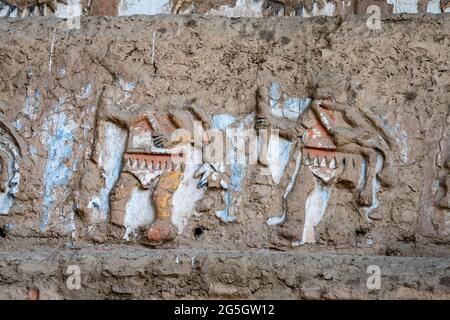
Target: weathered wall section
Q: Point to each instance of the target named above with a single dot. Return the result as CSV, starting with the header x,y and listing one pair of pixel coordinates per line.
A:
x,y
86,116
136,273
228,8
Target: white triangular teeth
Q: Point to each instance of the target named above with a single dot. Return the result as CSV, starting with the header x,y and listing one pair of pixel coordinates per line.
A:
x,y
14,13
4,12
323,163
36,12
316,162
132,163
333,163
151,165
25,13
307,161
45,10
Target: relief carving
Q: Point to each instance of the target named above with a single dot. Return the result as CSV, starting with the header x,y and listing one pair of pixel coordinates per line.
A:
x,y
161,162
10,153
148,170
337,141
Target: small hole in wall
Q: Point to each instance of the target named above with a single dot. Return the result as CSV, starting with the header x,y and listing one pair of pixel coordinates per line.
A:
x,y
198,232
361,232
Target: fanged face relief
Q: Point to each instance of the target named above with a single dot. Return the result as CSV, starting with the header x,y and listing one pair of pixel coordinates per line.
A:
x,y
144,158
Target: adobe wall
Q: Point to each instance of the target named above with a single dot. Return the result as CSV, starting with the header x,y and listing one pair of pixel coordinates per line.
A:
x,y
87,117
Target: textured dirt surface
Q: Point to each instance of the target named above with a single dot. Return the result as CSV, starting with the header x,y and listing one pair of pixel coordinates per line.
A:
x,y
130,272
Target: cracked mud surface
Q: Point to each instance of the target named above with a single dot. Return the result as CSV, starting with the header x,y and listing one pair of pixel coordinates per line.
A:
x,y
134,272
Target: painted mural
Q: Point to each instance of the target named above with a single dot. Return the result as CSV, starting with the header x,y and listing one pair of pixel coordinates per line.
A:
x,y
153,164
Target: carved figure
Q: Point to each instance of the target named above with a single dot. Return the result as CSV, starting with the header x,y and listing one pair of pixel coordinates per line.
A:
x,y
149,172
25,8
335,141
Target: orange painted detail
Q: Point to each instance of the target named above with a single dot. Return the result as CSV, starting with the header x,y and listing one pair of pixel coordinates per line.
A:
x,y
162,196
142,124
330,114
165,125
317,137
163,122
139,159
160,231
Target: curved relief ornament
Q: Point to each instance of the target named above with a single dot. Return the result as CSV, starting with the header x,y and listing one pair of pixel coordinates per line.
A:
x,y
9,167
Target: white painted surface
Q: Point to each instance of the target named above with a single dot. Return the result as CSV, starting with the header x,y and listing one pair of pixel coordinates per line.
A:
x,y
243,8
139,212
12,167
86,91
316,204
57,135
400,135
280,219
70,10
376,185
235,160
187,194
434,6
149,7
110,161
141,140
292,106
404,6
278,153
32,103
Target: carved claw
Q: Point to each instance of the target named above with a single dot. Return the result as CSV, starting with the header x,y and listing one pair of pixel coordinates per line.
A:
x,y
176,5
203,173
159,140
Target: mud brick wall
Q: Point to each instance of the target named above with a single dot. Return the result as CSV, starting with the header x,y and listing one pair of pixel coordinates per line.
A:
x,y
136,273
361,163
230,8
